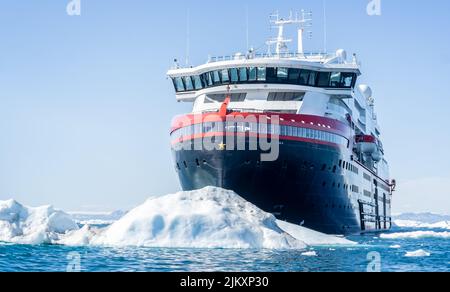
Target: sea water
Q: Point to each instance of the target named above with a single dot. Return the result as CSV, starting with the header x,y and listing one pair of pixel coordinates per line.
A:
x,y
207,230
390,256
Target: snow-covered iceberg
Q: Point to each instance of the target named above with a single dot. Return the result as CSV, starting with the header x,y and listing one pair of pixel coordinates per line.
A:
x,y
208,218
24,225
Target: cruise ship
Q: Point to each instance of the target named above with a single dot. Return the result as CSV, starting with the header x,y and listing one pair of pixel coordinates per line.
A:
x,y
310,148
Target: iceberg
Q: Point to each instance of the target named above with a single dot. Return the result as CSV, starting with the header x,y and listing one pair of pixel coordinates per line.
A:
x,y
416,235
24,225
207,218
417,254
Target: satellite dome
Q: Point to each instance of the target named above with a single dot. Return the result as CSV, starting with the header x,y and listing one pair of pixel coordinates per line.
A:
x,y
341,54
365,90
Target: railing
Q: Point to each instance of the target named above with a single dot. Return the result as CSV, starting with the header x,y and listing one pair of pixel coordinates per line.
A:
x,y
308,55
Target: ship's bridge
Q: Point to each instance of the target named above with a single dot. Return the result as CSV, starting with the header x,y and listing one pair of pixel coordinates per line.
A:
x,y
298,71
279,81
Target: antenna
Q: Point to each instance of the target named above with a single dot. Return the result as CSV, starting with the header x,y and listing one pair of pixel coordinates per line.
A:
x,y
324,27
247,27
280,42
188,36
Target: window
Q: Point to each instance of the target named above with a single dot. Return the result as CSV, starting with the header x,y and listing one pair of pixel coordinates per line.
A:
x,y
347,80
286,96
323,79
294,74
282,74
243,75
216,77
234,75
188,83
220,98
312,78
179,84
271,75
304,77
252,74
262,74
197,83
208,79
335,79
225,76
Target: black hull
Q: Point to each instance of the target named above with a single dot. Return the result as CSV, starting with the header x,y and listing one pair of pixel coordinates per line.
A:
x,y
306,185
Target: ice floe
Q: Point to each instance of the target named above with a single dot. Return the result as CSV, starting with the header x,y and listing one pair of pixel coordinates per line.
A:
x,y
418,224
416,235
309,254
395,246
417,254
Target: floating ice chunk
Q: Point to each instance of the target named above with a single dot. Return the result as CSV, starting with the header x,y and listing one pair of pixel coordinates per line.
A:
x,y
416,235
309,254
208,218
24,225
417,254
311,237
417,224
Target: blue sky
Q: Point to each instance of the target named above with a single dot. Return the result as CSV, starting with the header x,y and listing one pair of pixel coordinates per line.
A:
x,y
85,106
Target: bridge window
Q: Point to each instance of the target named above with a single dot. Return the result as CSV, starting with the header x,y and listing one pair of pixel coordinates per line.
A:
x,y
335,79
234,75
323,79
261,74
197,83
225,77
273,75
252,74
216,77
179,84
294,75
188,83
282,74
243,75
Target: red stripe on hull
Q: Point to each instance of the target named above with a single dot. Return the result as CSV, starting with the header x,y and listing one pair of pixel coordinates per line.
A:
x,y
253,135
301,121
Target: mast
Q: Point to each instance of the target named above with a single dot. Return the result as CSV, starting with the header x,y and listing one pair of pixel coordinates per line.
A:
x,y
280,42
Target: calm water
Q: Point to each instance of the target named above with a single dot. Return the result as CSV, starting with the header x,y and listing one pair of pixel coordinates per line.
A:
x,y
57,258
